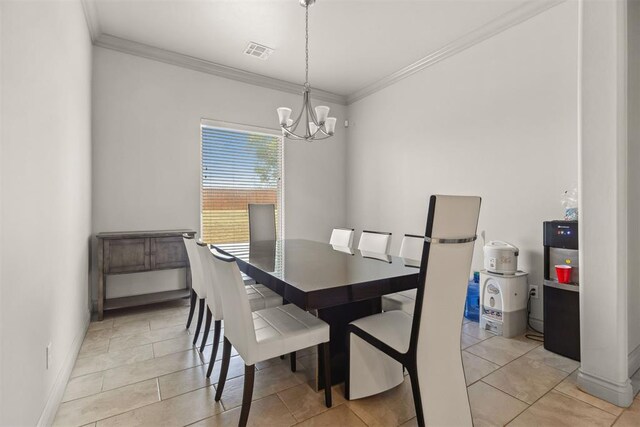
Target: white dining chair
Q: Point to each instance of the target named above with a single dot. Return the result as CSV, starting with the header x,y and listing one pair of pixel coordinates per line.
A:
x,y
342,237
260,297
198,288
262,222
427,344
411,253
375,241
274,332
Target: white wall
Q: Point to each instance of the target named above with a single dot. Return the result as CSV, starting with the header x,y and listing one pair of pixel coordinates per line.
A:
x,y
497,120
46,206
633,301
146,153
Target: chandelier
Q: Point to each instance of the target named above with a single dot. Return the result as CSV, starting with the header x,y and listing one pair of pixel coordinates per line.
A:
x,y
316,123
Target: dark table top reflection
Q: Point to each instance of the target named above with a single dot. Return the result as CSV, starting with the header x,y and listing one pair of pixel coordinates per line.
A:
x,y
315,274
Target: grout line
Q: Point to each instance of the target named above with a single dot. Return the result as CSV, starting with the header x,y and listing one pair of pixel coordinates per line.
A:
x,y
587,403
95,421
158,389
136,382
487,360
502,391
152,403
286,407
358,416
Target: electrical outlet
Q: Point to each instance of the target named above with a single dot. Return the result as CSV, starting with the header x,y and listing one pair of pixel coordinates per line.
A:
x,y
49,355
533,291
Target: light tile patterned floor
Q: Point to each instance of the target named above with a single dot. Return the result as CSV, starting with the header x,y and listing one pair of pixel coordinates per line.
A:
x,y
138,368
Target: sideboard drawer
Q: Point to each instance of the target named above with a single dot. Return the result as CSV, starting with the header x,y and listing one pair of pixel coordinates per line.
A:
x,y
127,255
168,252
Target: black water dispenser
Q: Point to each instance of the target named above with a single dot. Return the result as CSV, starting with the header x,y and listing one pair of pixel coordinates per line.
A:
x,y
561,300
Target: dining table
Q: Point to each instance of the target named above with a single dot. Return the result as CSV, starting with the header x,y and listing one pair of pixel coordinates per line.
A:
x,y
338,284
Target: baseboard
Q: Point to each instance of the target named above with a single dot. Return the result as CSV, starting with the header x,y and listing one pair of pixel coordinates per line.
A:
x,y
57,391
620,394
634,361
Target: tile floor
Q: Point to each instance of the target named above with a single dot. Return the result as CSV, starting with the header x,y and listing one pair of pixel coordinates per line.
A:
x,y
138,368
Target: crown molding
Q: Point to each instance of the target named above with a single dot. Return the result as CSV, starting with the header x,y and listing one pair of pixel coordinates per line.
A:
x,y
91,15
492,28
150,52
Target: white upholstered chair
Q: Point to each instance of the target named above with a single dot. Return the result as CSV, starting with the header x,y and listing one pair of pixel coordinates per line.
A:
x,y
342,237
274,332
198,288
260,297
411,252
427,344
262,222
375,241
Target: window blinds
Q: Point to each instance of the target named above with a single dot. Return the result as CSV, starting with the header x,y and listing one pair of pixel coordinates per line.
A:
x,y
238,168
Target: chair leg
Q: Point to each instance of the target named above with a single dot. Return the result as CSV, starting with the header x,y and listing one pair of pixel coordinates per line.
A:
x,y
415,388
200,316
192,307
226,357
214,350
292,359
348,365
247,394
323,351
207,326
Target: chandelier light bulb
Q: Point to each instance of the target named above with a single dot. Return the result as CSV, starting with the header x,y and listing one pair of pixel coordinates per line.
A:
x,y
283,115
322,112
330,125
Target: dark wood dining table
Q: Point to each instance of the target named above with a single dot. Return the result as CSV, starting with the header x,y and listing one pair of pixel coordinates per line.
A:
x,y
337,283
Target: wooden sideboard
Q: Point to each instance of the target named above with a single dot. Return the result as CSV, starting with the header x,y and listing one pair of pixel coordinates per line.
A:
x,y
138,251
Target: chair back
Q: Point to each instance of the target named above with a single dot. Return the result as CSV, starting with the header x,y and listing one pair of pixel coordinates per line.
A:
x,y
375,241
435,336
197,276
238,321
262,222
411,247
342,237
214,299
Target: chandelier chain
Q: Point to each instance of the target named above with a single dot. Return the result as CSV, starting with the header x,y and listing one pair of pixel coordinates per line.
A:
x,y
306,41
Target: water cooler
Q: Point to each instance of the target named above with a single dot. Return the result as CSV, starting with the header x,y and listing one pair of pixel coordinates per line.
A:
x,y
561,300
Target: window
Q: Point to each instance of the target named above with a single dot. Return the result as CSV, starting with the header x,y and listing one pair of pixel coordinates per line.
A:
x,y
239,167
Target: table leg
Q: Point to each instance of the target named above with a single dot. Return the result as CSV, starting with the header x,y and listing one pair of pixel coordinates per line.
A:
x,y
100,279
338,318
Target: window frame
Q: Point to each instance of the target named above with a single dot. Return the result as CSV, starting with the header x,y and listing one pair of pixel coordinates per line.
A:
x,y
241,127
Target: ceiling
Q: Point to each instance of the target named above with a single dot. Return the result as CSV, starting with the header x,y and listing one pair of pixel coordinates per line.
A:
x,y
353,44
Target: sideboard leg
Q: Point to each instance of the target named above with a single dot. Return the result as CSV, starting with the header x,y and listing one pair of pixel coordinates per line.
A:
x,y
100,279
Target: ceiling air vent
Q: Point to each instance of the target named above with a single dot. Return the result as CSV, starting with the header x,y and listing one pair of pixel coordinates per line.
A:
x,y
258,51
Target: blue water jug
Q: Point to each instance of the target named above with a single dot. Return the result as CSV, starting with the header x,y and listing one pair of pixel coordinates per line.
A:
x,y
472,305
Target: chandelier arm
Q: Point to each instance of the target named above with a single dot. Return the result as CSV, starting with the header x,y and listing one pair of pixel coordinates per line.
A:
x,y
320,138
324,131
291,135
314,118
294,125
306,110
